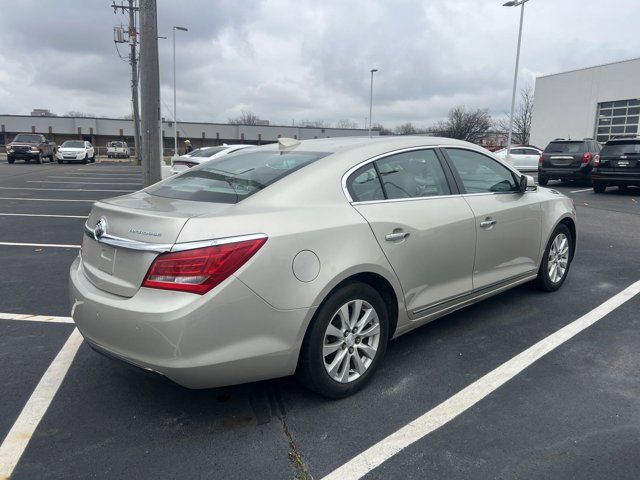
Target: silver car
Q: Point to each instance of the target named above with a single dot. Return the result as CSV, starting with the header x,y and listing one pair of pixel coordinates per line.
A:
x,y
308,257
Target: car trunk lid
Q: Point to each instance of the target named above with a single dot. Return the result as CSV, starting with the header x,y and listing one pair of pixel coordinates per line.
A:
x,y
136,229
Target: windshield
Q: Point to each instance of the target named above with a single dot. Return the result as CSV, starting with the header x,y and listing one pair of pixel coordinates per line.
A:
x,y
564,147
73,144
25,137
632,147
235,178
208,152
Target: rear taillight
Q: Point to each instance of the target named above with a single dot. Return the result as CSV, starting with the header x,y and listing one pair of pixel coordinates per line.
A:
x,y
201,269
540,161
586,158
596,161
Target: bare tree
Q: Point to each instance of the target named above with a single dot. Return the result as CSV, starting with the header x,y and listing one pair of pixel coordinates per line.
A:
x,y
246,117
313,123
380,128
463,124
521,118
346,124
405,129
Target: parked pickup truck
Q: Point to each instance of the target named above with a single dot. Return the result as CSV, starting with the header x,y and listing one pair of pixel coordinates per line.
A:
x,y
30,146
117,150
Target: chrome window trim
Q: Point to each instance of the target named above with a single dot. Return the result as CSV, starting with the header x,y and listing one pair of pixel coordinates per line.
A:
x,y
127,243
346,175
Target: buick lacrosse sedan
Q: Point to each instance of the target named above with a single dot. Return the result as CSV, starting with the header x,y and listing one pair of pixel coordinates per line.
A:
x,y
308,257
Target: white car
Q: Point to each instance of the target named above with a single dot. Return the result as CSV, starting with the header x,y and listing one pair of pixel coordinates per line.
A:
x,y
76,151
118,150
184,162
522,157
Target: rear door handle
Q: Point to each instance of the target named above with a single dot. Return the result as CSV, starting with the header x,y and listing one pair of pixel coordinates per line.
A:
x,y
488,223
395,236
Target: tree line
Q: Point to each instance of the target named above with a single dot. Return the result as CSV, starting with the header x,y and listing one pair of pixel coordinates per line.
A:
x,y
461,123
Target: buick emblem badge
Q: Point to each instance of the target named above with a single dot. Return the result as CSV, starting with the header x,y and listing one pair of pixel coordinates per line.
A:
x,y
101,228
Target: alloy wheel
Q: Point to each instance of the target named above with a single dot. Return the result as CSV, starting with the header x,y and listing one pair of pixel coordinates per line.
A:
x,y
351,341
558,259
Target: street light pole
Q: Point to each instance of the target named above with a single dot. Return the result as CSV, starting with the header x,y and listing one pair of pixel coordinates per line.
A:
x,y
175,116
516,3
373,70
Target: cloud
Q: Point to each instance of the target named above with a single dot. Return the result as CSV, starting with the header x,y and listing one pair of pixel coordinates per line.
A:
x,y
291,60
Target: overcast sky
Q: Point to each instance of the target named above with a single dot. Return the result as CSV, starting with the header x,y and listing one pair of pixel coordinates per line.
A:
x,y
307,59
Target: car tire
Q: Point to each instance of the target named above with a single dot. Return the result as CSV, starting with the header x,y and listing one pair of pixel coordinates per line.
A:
x,y
39,158
60,162
348,356
558,254
11,159
85,160
543,181
93,158
51,159
599,187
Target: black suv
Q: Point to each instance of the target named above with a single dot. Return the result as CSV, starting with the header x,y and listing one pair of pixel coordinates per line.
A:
x,y
567,160
617,164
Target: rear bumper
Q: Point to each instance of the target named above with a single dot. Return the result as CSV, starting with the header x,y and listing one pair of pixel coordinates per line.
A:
x,y
228,336
616,178
565,173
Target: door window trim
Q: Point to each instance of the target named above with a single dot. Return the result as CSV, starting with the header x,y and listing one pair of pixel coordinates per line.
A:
x,y
461,188
451,182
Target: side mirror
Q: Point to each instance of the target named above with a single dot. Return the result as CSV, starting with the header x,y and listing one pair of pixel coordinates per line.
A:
x,y
527,183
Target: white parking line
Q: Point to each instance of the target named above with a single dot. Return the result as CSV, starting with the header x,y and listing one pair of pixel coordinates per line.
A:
x,y
583,190
63,189
34,318
43,245
40,215
85,183
435,418
94,178
46,199
16,441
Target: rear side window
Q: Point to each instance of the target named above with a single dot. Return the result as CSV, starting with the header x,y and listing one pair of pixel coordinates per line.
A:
x,y
481,174
235,177
630,147
412,174
364,184
565,147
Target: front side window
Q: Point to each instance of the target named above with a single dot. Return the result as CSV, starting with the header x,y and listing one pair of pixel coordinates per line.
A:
x,y
235,177
481,174
412,174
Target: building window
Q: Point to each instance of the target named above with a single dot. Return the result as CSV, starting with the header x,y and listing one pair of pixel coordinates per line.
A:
x,y
619,118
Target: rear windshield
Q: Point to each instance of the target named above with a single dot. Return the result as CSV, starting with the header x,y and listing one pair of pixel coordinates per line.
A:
x,y
28,138
565,147
208,152
117,144
73,144
234,178
631,147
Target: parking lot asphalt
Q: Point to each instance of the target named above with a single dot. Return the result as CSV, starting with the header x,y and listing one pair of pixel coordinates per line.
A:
x,y
573,414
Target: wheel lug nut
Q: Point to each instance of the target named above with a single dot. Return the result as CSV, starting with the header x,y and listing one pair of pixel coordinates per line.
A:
x,y
350,349
353,331
358,340
344,345
346,332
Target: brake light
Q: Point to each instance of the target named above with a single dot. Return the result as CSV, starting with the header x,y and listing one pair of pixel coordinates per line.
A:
x,y
201,269
586,158
596,161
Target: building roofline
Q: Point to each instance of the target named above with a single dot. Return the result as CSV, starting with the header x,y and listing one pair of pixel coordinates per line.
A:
x,y
182,122
588,68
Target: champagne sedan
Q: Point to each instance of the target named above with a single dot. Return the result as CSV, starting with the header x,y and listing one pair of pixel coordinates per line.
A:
x,y
307,257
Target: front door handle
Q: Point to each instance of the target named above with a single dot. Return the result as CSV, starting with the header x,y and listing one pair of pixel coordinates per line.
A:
x,y
488,223
396,236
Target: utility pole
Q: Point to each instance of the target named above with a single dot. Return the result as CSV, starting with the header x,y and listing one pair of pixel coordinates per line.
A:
x,y
150,93
132,36
133,60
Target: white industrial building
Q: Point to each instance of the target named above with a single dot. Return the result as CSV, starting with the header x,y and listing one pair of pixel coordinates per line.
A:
x,y
598,102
